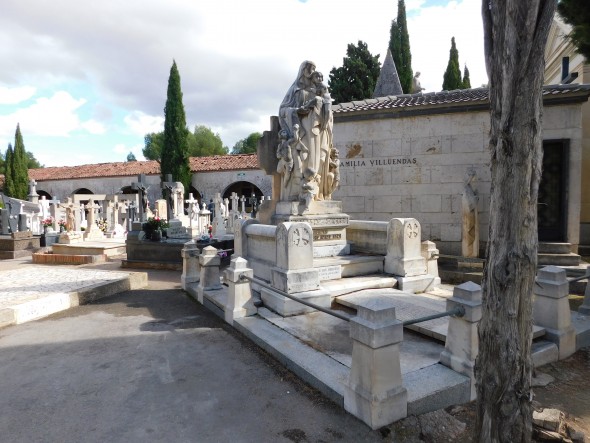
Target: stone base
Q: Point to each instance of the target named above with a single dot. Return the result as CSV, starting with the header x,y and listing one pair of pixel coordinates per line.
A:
x,y
417,284
286,307
331,250
315,208
70,237
460,365
405,267
376,412
300,280
564,339
94,233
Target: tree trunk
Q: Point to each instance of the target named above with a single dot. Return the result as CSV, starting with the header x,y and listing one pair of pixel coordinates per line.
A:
x,y
515,33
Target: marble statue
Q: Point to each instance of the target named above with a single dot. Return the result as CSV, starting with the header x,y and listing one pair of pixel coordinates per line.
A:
x,y
416,86
305,151
470,228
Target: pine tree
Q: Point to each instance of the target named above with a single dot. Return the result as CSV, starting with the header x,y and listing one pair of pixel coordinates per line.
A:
x,y
357,77
399,44
19,169
452,77
8,171
466,83
577,14
174,157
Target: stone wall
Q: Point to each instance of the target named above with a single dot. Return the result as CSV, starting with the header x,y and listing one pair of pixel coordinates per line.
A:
x,y
210,183
392,165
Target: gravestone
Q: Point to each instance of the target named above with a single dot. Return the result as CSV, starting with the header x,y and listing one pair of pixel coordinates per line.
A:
x,y
92,232
193,216
141,187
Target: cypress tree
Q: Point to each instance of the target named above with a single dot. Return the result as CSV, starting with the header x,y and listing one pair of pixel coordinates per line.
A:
x,y
19,168
174,157
452,77
399,44
8,172
466,81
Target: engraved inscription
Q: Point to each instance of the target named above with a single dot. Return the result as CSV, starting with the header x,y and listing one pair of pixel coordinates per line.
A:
x,y
300,237
412,230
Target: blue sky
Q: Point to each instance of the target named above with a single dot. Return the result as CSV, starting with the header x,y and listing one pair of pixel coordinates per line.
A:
x,y
86,81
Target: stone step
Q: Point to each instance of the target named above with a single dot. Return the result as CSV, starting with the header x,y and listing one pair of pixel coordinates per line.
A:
x,y
569,259
584,250
332,268
554,248
411,306
343,286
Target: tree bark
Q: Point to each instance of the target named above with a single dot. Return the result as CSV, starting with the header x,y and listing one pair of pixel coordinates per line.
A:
x,y
515,33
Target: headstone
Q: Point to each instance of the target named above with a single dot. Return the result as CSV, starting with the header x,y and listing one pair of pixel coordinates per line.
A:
x,y
243,202
161,208
92,232
470,221
193,215
33,196
54,212
218,220
404,257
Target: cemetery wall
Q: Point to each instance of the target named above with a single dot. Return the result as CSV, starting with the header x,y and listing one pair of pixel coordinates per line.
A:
x,y
62,189
393,165
210,183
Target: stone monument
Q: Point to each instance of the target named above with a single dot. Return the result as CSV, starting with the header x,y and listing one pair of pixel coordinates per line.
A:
x,y
470,222
298,151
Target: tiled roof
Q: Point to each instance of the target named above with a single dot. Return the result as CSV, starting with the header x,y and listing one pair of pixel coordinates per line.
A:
x,y
446,98
151,167
224,162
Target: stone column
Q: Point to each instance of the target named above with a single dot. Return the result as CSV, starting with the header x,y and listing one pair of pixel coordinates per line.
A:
x,y
375,393
462,343
551,309
209,279
239,297
191,271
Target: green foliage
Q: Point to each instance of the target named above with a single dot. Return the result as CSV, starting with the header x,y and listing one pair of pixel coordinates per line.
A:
x,y
399,44
466,83
8,171
174,157
452,78
577,14
19,188
131,157
248,145
203,142
32,162
153,143
357,77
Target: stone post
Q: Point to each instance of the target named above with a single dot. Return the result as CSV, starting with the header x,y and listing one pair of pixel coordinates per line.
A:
x,y
239,295
462,343
375,393
585,308
430,254
191,271
209,279
4,217
551,309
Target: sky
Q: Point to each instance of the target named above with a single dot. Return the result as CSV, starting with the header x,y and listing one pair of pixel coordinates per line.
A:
x,y
87,80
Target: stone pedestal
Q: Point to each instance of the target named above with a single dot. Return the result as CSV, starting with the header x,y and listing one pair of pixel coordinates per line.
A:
x,y
551,309
327,221
176,229
462,343
294,272
239,299
209,279
67,238
375,393
191,271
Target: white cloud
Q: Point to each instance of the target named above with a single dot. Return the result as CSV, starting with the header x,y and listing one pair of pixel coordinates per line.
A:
x,y
48,116
93,127
13,96
140,123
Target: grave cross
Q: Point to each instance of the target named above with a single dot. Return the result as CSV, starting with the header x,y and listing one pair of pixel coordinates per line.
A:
x,y
33,196
243,201
141,187
53,211
193,208
253,202
234,202
168,192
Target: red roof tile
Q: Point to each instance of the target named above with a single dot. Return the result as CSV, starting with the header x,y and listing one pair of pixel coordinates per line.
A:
x,y
150,167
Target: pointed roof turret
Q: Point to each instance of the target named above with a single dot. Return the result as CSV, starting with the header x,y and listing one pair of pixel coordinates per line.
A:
x,y
388,82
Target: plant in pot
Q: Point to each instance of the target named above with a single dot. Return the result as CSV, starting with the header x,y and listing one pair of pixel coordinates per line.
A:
x,y
153,228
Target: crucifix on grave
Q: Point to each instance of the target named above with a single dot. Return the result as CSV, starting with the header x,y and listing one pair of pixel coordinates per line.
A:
x,y
193,209
71,209
168,192
141,187
54,211
253,202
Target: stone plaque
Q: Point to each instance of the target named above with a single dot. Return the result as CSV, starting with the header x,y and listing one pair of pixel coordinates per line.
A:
x,y
330,272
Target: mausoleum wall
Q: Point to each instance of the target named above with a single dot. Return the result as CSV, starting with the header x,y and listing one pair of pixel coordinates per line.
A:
x,y
210,183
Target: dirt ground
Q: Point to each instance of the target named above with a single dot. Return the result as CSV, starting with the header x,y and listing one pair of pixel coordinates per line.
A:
x,y
569,392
